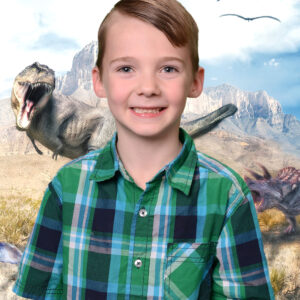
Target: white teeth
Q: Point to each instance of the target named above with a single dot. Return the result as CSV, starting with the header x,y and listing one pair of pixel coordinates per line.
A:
x,y
147,110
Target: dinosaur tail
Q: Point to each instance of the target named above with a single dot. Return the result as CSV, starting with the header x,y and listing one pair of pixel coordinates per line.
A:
x,y
9,253
204,124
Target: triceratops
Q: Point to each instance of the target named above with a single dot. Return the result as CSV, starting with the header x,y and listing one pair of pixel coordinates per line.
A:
x,y
281,192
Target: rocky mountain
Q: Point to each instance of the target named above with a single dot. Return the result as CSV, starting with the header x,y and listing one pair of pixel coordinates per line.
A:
x,y
258,114
79,77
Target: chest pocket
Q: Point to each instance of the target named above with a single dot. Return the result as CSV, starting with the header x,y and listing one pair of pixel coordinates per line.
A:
x,y
185,269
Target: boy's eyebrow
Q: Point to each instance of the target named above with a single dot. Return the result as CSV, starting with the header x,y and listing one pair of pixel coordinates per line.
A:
x,y
124,58
170,58
130,59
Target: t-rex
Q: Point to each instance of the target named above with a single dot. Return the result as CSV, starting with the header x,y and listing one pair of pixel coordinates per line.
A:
x,y
281,192
70,127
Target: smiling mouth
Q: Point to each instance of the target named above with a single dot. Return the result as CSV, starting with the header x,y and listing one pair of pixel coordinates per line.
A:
x,y
150,110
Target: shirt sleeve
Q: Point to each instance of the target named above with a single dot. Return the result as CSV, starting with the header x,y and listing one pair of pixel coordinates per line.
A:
x,y
241,270
40,269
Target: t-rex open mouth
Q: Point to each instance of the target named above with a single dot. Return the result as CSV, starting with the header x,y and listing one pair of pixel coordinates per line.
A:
x,y
31,96
32,89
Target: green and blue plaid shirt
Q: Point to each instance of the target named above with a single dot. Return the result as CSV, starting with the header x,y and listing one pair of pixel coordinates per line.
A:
x,y
191,234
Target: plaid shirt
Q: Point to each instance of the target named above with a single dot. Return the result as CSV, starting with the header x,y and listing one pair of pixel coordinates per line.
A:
x,y
191,234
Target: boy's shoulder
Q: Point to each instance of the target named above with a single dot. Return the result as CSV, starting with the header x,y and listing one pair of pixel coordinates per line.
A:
x,y
219,170
87,162
225,181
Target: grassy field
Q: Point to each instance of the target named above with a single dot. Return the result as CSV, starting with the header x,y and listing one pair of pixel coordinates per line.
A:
x,y
19,204
283,254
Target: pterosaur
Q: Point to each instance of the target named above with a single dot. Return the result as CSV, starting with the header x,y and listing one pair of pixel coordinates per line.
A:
x,y
250,19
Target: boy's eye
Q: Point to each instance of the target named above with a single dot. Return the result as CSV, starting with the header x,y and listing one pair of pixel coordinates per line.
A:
x,y
169,69
125,69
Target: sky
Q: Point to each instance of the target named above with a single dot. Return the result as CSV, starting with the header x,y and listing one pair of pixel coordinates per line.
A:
x,y
263,54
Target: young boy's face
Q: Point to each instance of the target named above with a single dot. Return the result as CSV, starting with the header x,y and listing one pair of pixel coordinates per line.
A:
x,y
145,78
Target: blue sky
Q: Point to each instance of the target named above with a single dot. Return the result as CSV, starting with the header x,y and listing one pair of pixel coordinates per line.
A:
x,y
277,74
258,55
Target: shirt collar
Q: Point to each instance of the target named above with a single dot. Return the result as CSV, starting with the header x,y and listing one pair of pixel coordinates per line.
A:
x,y
179,172
107,162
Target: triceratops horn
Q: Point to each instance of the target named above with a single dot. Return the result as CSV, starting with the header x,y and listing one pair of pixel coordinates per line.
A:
x,y
255,175
267,175
247,179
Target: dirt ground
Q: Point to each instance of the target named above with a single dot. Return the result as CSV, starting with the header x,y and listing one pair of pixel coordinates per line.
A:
x,y
283,255
28,173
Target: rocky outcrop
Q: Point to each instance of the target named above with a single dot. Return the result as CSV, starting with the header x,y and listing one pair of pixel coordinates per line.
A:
x,y
80,75
258,113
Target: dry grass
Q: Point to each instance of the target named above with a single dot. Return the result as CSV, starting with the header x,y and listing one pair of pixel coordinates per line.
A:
x,y
24,179
278,278
271,219
17,217
283,256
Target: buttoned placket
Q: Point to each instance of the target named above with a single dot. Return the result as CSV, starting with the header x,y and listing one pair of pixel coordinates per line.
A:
x,y
143,223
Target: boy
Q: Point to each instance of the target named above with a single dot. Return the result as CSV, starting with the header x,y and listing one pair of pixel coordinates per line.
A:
x,y
146,217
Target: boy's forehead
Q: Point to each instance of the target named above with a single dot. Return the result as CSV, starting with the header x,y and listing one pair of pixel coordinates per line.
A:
x,y
121,21
131,38
123,27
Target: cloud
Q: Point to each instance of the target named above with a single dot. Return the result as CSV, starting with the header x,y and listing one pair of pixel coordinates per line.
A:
x,y
272,63
52,41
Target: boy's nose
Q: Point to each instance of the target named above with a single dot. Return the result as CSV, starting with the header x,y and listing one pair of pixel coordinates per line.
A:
x,y
148,86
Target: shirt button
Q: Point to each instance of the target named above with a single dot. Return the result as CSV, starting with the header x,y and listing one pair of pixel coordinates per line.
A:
x,y
138,263
143,212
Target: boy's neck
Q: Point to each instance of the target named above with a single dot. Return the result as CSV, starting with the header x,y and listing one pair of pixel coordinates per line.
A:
x,y
144,157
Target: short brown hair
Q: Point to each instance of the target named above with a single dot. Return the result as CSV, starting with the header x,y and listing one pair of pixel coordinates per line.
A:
x,y
169,16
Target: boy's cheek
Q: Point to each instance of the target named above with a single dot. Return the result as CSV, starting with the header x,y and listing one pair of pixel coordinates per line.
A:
x,y
119,90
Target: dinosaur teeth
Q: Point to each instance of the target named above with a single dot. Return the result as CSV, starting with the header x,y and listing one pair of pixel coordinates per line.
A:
x,y
46,86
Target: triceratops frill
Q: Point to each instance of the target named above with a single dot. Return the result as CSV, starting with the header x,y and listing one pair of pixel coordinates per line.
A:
x,y
281,192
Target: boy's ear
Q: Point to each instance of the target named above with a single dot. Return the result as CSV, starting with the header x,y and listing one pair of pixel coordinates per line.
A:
x,y
97,83
197,85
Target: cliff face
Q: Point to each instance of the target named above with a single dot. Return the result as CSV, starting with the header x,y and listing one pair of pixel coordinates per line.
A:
x,y
251,105
257,111
80,75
